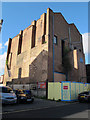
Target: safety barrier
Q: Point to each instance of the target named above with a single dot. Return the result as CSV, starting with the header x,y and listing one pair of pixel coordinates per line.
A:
x,y
66,91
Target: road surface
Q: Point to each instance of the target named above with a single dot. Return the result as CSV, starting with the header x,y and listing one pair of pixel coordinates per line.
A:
x,y
47,109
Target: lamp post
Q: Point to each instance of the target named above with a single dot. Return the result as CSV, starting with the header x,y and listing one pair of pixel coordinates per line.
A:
x,y
1,22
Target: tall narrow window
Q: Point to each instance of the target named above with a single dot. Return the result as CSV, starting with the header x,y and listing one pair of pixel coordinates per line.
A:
x,y
9,48
55,39
75,59
62,46
19,72
33,36
20,43
9,61
45,24
44,29
43,39
75,48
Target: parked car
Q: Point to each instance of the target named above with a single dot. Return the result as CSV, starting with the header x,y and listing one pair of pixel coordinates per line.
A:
x,y
7,95
23,96
84,96
30,97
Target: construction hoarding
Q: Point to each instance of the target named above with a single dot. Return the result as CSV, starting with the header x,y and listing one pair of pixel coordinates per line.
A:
x,y
66,91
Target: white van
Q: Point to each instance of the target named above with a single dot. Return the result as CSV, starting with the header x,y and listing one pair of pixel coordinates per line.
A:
x,y
7,96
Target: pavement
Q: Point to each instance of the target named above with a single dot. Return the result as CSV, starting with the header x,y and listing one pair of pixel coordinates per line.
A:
x,y
47,109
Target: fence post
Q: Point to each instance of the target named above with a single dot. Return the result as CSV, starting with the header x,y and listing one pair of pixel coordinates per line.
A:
x,y
46,89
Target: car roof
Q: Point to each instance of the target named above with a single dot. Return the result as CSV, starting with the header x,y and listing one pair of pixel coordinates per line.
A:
x,y
84,92
5,86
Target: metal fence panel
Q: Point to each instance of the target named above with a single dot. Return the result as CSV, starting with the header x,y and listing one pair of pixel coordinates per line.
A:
x,y
85,87
81,87
50,90
77,89
73,91
66,91
66,88
57,90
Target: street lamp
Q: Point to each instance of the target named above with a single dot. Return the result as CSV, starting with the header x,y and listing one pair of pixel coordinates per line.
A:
x,y
1,22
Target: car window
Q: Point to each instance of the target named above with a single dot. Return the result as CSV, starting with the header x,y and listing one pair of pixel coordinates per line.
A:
x,y
6,90
87,93
27,91
20,92
0,89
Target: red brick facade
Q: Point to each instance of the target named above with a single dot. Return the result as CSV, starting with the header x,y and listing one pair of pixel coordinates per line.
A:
x,y
34,56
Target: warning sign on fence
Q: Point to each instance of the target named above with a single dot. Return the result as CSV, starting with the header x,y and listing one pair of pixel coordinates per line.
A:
x,y
65,87
41,84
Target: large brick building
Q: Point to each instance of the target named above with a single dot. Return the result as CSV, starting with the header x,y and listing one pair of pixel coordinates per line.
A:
x,y
49,49
88,72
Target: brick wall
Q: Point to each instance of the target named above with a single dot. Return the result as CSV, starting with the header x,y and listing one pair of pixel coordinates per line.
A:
x,y
72,39
38,58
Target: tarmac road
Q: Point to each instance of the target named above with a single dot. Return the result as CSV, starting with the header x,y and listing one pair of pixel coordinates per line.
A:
x,y
47,109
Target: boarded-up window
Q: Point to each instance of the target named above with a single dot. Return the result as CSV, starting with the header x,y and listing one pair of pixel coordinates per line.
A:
x,y
75,59
19,72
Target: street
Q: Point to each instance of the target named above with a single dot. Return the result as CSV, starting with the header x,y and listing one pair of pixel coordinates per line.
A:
x,y
47,109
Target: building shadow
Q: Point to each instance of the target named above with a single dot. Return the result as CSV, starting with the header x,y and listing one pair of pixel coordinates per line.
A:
x,y
37,71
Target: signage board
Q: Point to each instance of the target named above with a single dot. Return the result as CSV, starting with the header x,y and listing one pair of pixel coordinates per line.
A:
x,y
65,87
41,84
